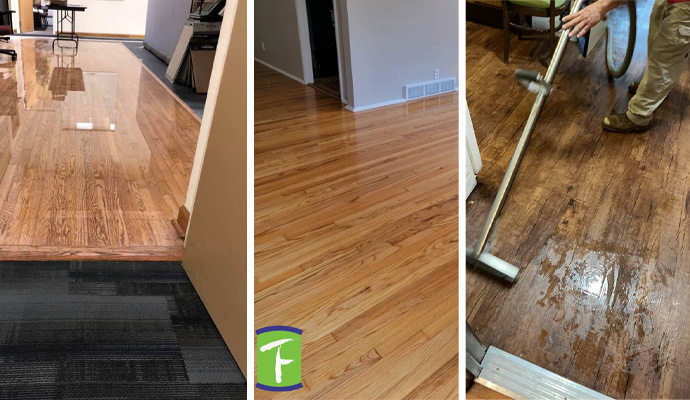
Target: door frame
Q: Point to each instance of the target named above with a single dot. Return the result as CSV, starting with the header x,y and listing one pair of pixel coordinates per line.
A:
x,y
305,44
23,15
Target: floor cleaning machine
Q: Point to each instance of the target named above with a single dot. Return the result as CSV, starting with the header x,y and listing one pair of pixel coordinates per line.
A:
x,y
541,85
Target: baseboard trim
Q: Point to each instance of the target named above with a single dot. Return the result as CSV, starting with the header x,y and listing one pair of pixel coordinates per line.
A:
x,y
112,35
59,253
273,67
377,105
153,50
394,102
182,222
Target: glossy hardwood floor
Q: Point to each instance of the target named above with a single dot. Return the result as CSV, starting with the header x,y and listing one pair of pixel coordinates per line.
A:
x,y
96,155
479,392
356,240
596,222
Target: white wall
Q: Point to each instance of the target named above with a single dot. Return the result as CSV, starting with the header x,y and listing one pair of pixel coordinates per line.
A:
x,y
384,44
343,36
164,22
399,42
473,160
14,5
275,25
116,17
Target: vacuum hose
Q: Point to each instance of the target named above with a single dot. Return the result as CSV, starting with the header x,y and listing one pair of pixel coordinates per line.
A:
x,y
620,71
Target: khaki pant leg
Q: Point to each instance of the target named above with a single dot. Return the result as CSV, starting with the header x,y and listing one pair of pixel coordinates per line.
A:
x,y
655,20
666,60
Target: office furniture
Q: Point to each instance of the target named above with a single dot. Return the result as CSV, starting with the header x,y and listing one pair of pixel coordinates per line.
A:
x,y
40,15
6,14
66,13
7,30
7,20
207,10
192,59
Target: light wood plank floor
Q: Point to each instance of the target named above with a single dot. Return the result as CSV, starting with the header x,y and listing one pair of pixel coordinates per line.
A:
x,y
596,222
356,240
96,155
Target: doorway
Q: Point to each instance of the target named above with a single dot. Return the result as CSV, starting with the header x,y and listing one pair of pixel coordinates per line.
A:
x,y
324,47
34,18
26,16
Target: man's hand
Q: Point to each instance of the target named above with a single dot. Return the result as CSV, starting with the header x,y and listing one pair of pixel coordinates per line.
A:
x,y
585,19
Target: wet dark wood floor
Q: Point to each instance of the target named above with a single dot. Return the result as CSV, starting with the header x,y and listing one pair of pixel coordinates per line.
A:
x,y
596,222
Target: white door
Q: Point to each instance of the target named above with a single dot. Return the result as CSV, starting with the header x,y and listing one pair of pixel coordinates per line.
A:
x,y
473,162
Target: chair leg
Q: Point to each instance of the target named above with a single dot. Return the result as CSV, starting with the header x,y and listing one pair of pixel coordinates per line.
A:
x,y
552,35
552,25
9,52
506,32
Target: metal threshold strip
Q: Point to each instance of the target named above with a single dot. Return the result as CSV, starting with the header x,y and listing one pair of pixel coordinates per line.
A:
x,y
520,379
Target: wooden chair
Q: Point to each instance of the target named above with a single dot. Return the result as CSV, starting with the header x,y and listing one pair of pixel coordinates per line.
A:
x,y
535,8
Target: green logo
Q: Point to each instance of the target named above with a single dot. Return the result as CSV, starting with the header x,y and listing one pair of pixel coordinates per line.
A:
x,y
279,358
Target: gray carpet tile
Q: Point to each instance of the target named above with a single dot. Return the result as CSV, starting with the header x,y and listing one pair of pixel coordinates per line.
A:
x,y
109,330
194,100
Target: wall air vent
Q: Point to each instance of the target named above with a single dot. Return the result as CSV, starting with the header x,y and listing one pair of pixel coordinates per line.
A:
x,y
414,92
430,88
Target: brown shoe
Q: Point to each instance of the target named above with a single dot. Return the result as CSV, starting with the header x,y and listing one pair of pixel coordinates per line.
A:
x,y
632,89
621,123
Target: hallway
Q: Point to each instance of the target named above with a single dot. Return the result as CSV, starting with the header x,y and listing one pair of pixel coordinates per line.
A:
x,y
96,155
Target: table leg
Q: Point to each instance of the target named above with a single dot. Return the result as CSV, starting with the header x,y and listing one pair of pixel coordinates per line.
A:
x,y
72,35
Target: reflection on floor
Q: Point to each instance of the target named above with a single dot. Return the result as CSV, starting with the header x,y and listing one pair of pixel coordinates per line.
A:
x,y
357,239
99,154
329,85
39,32
596,222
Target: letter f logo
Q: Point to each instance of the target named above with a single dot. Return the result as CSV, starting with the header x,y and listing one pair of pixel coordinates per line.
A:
x,y
279,358
279,361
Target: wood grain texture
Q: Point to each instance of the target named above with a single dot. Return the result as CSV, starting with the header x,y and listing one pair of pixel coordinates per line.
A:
x,y
181,222
480,392
62,253
99,157
595,221
356,240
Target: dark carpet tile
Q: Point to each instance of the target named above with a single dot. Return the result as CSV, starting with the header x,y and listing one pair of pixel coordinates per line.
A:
x,y
109,330
160,391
